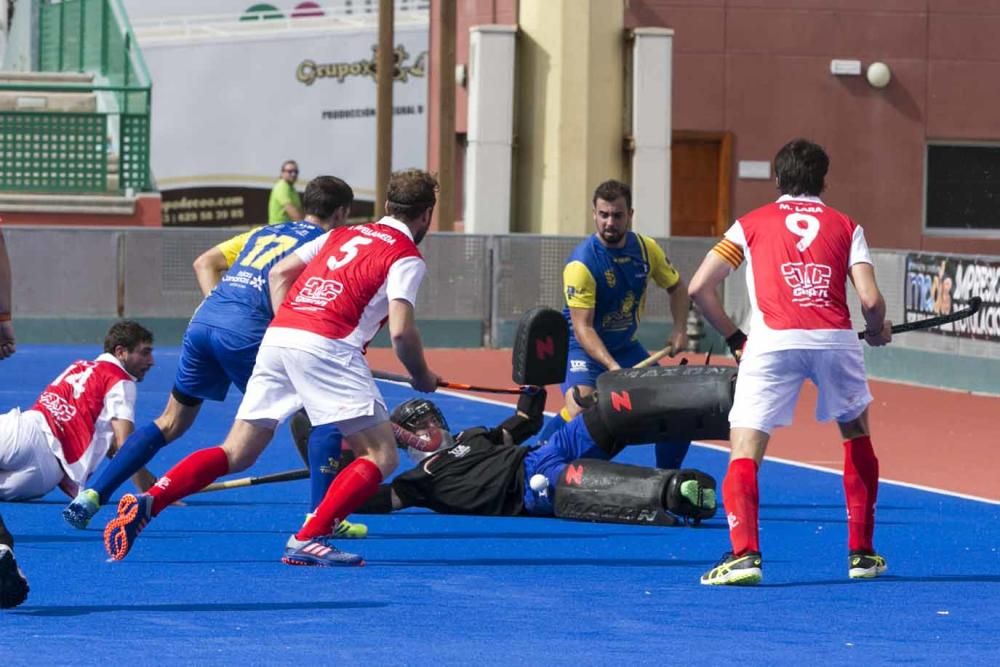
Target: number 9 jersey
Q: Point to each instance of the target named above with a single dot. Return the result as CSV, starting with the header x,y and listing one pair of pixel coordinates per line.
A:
x,y
241,302
798,252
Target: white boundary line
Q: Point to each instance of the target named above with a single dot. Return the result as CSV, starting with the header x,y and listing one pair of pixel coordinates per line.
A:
x,y
790,462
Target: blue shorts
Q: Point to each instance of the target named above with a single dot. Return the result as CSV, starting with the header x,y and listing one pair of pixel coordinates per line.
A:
x,y
581,369
566,445
212,359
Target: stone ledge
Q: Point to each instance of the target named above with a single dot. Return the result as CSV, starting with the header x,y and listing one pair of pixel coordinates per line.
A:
x,y
63,203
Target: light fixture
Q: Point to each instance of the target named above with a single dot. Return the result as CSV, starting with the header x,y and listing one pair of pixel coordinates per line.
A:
x,y
878,74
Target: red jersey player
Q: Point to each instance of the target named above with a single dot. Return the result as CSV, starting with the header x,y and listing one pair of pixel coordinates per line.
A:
x,y
335,292
799,254
83,416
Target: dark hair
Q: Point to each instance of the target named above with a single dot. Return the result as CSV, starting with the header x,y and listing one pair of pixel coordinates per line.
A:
x,y
800,167
288,162
612,190
127,333
410,193
324,195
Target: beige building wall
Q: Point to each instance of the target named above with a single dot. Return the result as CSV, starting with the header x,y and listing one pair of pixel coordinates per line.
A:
x,y
569,121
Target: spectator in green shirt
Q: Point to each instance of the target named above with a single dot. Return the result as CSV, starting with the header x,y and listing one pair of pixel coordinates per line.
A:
x,y
284,204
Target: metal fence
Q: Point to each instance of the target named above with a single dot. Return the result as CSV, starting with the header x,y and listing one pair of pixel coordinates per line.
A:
x,y
489,281
79,136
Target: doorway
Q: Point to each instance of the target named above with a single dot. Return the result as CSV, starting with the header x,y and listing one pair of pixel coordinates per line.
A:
x,y
700,173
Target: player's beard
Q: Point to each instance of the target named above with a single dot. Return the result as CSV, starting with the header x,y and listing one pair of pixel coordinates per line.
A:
x,y
611,235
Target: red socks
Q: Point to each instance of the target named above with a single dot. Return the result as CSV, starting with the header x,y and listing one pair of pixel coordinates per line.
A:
x,y
350,489
191,475
742,503
860,491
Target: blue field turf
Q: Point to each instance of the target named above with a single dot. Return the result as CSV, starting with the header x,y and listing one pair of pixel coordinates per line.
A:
x,y
204,584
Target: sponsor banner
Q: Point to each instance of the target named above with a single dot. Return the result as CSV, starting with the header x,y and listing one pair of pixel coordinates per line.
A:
x,y
227,113
939,285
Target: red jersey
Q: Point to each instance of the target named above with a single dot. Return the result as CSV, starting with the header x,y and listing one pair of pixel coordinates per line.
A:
x,y
342,296
78,407
798,252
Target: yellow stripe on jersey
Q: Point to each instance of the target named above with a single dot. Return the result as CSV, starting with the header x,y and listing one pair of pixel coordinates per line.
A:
x,y
731,253
232,248
579,286
660,268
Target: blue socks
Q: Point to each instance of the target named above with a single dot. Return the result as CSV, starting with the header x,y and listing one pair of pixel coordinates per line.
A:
x,y
138,450
324,460
670,455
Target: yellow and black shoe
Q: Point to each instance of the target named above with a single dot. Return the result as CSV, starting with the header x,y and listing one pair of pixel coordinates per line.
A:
x,y
865,565
352,531
732,570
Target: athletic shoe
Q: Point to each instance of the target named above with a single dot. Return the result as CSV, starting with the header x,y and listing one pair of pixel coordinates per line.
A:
x,y
865,565
13,585
345,530
698,495
319,551
79,512
351,531
134,512
735,570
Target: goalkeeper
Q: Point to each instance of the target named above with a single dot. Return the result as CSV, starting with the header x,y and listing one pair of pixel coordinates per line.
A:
x,y
484,471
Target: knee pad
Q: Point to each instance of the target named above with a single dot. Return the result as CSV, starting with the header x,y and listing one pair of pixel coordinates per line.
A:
x,y
674,403
596,490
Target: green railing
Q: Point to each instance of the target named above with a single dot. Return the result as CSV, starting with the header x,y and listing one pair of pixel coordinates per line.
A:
x,y
102,148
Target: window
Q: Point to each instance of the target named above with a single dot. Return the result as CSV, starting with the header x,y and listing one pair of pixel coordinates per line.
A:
x,y
963,189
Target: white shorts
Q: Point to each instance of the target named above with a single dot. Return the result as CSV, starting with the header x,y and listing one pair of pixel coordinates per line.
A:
x,y
335,389
28,469
768,384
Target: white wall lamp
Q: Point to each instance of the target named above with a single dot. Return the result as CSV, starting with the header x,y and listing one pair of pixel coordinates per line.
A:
x,y
878,74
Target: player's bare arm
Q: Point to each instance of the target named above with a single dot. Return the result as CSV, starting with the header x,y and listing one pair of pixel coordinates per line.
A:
x,y
587,336
209,268
878,330
282,276
407,345
680,304
703,290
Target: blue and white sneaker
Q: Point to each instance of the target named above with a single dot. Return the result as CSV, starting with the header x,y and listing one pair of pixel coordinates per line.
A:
x,y
83,508
318,552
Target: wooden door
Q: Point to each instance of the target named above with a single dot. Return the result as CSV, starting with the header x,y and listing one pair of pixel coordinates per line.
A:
x,y
700,167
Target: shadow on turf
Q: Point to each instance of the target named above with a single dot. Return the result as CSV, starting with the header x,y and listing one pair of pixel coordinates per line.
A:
x,y
83,610
536,562
894,579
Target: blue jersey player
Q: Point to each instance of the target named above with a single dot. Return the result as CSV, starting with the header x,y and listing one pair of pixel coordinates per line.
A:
x,y
220,344
605,282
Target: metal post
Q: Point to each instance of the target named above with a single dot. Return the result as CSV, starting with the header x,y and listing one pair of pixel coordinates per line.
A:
x,y
384,73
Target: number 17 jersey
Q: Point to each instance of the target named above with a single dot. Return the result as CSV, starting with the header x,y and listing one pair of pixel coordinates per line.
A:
x,y
798,252
241,302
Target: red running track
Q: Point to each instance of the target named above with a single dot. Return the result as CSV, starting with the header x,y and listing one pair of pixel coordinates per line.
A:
x,y
928,437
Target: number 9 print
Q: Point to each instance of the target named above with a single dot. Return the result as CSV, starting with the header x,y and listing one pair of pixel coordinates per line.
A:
x,y
805,226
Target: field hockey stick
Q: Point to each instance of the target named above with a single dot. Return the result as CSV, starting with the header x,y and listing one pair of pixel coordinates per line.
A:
x,y
523,389
973,307
286,476
656,356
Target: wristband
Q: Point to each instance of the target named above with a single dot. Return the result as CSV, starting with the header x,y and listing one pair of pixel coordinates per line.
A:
x,y
736,341
4,317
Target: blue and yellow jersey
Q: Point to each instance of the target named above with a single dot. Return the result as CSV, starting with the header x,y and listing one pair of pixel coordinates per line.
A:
x,y
612,282
241,301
